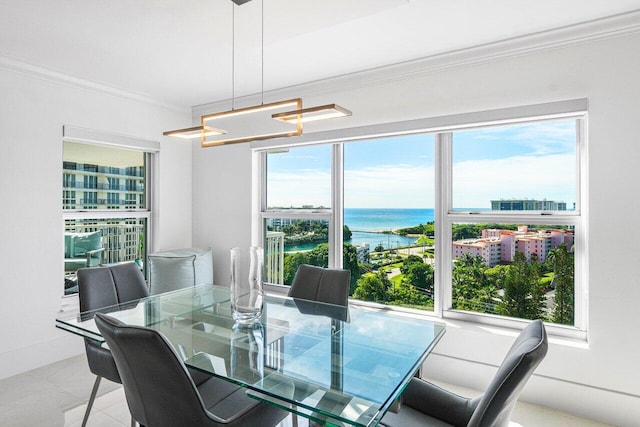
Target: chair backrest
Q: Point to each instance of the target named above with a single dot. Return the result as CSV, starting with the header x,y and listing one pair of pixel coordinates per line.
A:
x,y
496,404
156,383
100,287
321,284
179,268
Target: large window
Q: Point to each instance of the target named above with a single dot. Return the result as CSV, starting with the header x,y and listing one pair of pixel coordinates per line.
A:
x,y
514,219
106,207
481,221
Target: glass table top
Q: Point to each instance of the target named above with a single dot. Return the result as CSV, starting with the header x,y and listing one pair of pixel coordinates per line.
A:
x,y
332,364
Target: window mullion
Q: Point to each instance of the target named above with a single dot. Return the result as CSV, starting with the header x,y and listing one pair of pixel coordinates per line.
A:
x,y
581,278
258,197
443,197
337,204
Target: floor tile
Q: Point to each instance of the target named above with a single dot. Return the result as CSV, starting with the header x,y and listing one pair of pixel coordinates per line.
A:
x,y
56,396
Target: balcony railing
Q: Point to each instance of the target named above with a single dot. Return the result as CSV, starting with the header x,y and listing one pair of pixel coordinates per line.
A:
x,y
134,171
93,203
104,187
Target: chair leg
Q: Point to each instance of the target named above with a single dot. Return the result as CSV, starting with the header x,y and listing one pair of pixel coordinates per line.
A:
x,y
94,391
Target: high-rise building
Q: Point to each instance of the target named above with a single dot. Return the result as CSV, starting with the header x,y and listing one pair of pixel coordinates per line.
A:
x,y
274,257
527,205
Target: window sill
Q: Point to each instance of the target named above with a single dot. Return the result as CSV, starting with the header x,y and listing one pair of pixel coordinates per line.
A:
x,y
560,335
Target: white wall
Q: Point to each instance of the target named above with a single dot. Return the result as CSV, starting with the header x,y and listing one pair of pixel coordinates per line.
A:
x,y
603,381
32,113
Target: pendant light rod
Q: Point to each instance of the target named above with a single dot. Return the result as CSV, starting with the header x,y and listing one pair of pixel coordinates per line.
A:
x,y
233,56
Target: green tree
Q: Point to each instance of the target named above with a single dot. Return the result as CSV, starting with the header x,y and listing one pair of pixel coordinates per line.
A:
x,y
350,262
404,293
420,275
495,276
523,293
319,256
379,248
408,261
470,288
346,233
464,231
291,263
373,287
563,281
429,229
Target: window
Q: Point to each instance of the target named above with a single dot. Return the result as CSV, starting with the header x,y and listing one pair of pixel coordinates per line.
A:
x,y
388,201
117,227
297,212
516,257
482,221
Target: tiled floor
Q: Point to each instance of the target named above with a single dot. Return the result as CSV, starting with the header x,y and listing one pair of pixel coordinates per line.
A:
x,y
56,395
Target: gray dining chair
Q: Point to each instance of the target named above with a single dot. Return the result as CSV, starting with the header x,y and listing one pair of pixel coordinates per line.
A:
x,y
425,404
321,284
99,287
161,393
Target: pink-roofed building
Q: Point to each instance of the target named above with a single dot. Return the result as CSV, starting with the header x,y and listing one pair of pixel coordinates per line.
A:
x,y
488,249
498,245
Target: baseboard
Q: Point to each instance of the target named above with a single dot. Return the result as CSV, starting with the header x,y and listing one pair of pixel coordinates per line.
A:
x,y
582,400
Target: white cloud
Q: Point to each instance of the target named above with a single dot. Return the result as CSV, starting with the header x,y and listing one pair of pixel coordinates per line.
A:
x,y
392,186
476,183
305,187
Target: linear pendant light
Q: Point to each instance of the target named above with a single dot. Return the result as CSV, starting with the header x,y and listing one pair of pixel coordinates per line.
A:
x,y
311,114
297,115
194,132
256,109
291,103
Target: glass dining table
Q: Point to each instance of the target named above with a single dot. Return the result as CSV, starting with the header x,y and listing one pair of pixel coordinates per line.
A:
x,y
343,366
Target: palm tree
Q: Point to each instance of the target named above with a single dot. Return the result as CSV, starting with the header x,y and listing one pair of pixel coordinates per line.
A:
x,y
563,283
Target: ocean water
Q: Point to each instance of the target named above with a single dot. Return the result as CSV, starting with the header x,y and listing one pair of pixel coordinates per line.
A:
x,y
362,219
366,225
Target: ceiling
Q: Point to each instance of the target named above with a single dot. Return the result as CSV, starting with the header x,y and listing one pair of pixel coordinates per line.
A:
x,y
179,52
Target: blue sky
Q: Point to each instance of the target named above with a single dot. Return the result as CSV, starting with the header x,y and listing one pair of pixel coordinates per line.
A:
x,y
535,160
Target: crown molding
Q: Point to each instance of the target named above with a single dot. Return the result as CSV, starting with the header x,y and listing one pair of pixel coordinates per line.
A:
x,y
587,32
13,65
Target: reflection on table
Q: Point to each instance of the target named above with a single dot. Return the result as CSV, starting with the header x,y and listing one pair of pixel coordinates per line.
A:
x,y
332,364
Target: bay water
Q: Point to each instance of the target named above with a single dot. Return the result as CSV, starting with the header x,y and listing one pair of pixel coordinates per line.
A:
x,y
367,225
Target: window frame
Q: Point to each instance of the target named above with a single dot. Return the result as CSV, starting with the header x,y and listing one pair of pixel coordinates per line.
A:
x,y
449,216
151,151
334,215
443,129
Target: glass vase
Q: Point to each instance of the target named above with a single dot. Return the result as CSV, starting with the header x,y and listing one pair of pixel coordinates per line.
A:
x,y
247,294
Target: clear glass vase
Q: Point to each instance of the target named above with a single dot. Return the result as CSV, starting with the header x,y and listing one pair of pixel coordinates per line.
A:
x,y
247,294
